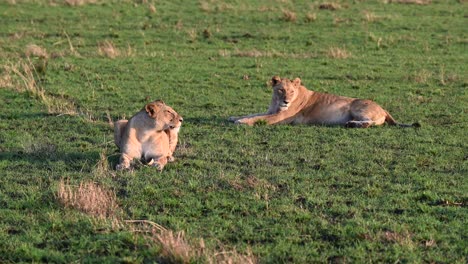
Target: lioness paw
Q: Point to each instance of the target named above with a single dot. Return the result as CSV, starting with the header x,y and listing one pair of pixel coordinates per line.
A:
x,y
158,166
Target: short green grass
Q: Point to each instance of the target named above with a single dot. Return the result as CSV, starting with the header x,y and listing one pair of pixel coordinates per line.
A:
x,y
296,194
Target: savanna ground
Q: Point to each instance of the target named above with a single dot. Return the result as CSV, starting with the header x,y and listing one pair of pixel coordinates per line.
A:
x,y
267,194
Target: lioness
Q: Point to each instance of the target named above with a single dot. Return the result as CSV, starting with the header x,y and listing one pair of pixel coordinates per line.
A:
x,y
292,103
150,134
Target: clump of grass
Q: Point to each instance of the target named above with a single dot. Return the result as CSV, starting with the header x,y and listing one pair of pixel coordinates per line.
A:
x,y
107,49
330,6
89,198
102,168
254,53
205,6
422,77
5,79
289,16
370,17
414,2
152,8
177,248
310,17
403,238
338,53
79,2
33,50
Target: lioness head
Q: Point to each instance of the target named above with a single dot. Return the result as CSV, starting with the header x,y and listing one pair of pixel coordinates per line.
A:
x,y
284,91
164,116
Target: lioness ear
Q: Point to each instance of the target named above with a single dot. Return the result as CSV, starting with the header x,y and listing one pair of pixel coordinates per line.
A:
x,y
152,109
159,101
297,81
275,80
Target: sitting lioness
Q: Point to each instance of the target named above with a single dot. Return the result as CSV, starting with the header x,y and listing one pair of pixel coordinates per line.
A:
x,y
292,103
150,135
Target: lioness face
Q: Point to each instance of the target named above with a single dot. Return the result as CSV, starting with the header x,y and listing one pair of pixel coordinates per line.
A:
x,y
285,92
164,116
174,120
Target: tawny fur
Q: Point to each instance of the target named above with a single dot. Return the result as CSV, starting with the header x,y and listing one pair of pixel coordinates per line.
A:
x,y
150,135
292,103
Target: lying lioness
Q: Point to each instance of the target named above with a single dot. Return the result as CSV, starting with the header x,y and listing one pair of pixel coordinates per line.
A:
x,y
150,135
292,103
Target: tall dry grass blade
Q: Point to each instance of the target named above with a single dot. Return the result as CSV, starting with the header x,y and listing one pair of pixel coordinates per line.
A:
x,y
107,49
338,53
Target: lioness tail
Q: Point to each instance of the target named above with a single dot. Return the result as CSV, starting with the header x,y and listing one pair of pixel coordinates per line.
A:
x,y
391,121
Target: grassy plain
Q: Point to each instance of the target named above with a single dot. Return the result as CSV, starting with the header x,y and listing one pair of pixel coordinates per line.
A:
x,y
275,194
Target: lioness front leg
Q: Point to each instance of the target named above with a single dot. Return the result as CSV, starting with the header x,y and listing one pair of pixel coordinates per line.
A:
x,y
124,163
280,118
173,135
237,118
158,163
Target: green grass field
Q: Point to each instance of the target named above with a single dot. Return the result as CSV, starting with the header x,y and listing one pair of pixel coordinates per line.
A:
x,y
266,194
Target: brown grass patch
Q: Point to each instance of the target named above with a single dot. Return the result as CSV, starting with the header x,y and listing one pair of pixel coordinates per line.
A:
x,y
33,50
422,77
79,2
5,80
254,53
89,198
403,238
176,248
413,2
370,17
338,53
289,16
107,49
310,17
330,6
152,8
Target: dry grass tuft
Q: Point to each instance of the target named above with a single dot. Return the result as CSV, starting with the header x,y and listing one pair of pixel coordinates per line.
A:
x,y
176,248
404,238
289,16
33,50
422,77
233,256
330,6
79,2
152,8
107,49
88,198
414,2
310,17
338,53
370,17
5,79
102,168
266,54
